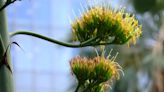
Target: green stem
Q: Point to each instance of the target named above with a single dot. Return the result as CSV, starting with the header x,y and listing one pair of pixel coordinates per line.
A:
x,y
6,78
77,88
90,87
89,41
43,37
84,44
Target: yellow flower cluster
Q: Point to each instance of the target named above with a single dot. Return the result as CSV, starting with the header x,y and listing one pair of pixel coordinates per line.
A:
x,y
106,25
99,69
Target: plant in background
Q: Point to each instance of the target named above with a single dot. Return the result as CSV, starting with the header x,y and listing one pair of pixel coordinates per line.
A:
x,y
99,25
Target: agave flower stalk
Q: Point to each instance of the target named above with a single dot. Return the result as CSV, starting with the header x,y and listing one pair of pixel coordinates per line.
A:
x,y
99,25
6,80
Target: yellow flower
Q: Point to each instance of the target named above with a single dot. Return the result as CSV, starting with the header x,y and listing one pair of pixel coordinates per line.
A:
x,y
95,71
106,26
81,68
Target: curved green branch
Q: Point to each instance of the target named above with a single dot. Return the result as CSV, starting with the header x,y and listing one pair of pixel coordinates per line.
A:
x,y
84,44
7,3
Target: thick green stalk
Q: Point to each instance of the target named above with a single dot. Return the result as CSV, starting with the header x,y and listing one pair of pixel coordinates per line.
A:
x,y
6,80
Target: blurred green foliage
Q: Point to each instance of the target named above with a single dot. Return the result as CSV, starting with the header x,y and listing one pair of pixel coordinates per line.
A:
x,y
143,6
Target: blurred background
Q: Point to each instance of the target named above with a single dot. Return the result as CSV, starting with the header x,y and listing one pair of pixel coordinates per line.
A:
x,y
44,67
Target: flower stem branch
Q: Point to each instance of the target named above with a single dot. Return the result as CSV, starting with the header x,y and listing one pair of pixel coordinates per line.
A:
x,y
90,86
7,3
77,88
83,44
